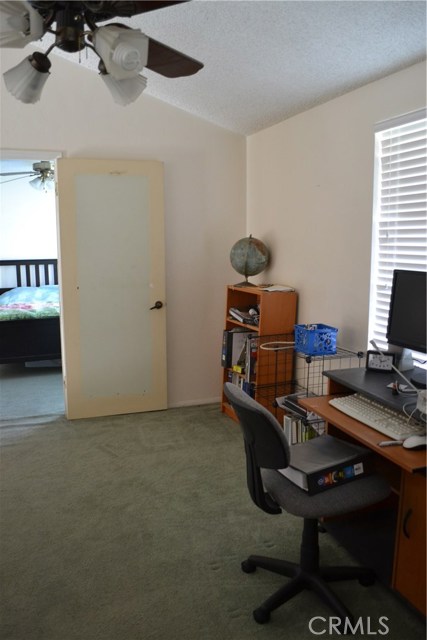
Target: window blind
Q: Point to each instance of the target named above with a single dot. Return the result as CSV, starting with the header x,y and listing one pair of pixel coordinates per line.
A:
x,y
399,239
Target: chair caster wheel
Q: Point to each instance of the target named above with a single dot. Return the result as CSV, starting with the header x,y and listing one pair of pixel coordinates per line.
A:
x,y
261,615
368,579
247,566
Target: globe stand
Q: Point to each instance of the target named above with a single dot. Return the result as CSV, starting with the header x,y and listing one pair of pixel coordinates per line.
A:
x,y
246,283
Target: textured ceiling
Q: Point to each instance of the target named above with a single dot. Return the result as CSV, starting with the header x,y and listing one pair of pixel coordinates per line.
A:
x,y
267,60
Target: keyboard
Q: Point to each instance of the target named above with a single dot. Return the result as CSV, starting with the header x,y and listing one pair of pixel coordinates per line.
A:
x,y
389,422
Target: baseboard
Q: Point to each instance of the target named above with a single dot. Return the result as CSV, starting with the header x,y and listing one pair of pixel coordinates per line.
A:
x,y
194,403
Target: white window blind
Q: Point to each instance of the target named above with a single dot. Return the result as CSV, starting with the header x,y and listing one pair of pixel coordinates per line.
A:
x,y
399,239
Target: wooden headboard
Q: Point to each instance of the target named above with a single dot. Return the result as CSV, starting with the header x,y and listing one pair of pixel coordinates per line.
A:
x,y
32,273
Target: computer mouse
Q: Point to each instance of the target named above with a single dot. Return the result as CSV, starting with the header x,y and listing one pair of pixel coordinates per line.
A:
x,y
415,442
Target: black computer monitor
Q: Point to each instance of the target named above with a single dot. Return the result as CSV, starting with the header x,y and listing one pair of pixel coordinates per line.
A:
x,y
407,316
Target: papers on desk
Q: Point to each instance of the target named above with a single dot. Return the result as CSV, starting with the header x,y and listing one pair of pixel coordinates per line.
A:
x,y
326,462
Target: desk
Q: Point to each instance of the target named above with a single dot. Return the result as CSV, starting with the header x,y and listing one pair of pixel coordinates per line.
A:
x,y
405,470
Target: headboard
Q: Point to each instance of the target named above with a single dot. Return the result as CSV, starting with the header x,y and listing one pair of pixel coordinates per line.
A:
x,y
28,273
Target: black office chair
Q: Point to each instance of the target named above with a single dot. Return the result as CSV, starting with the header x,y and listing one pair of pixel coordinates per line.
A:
x,y
267,450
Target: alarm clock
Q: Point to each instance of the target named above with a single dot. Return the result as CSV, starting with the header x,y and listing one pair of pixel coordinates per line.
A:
x,y
376,361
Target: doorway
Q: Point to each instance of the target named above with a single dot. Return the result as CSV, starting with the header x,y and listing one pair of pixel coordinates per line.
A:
x,y
28,230
112,285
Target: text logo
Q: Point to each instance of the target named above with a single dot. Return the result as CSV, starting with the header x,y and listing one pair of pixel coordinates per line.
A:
x,y
363,626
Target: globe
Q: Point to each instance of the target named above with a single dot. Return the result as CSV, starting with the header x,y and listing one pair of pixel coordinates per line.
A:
x,y
249,257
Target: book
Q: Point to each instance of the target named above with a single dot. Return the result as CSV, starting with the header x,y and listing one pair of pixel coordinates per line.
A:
x,y
326,462
233,343
227,344
251,358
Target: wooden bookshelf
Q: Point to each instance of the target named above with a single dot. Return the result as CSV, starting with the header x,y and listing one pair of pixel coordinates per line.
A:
x,y
277,315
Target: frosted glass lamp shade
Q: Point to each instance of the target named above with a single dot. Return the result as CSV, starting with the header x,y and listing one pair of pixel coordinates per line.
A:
x,y
123,51
27,79
19,24
125,91
43,183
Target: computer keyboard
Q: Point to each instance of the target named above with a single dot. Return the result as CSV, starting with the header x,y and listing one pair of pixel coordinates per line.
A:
x,y
389,422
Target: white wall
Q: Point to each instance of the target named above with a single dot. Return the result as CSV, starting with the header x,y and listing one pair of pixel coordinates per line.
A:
x,y
27,216
205,190
310,199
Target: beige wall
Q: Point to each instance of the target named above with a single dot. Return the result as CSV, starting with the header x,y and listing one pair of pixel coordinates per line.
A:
x,y
205,190
310,199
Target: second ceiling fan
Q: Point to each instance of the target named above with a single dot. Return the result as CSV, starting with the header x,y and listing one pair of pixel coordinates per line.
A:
x,y
43,176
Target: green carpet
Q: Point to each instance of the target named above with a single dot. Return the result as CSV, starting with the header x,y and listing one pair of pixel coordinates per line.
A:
x,y
134,527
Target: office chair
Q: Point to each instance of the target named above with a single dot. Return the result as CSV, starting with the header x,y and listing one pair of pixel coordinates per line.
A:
x,y
267,450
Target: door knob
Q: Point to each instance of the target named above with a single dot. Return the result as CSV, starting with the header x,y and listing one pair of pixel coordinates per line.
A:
x,y
157,305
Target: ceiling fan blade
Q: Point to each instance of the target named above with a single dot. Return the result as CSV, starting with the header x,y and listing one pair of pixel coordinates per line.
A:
x,y
127,9
169,62
18,178
19,173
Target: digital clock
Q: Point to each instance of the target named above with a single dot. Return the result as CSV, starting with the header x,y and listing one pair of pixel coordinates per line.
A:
x,y
376,361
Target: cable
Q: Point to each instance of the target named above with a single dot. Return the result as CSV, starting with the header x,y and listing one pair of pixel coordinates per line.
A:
x,y
420,419
270,346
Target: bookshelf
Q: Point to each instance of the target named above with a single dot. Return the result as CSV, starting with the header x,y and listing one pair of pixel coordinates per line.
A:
x,y
277,315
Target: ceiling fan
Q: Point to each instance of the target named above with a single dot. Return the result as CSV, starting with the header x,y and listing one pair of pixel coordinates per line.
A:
x,y
42,174
123,51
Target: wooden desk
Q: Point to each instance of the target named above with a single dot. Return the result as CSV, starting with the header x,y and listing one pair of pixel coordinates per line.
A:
x,y
406,472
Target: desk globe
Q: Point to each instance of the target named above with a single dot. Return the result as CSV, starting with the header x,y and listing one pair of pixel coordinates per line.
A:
x,y
249,257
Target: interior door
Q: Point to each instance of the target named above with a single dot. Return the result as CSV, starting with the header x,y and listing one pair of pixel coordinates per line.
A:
x,y
111,267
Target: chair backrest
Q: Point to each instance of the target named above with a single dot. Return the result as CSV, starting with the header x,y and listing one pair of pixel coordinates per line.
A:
x,y
266,446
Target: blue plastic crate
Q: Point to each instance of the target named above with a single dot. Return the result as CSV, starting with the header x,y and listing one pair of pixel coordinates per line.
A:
x,y
315,339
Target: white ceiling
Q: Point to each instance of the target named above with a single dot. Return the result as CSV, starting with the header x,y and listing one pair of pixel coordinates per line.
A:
x,y
267,60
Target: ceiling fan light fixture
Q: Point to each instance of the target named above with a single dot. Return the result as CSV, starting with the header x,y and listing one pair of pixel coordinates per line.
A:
x,y
42,184
27,79
19,24
124,91
46,180
123,51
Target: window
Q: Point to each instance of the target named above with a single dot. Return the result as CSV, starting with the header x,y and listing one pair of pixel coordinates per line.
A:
x,y
399,239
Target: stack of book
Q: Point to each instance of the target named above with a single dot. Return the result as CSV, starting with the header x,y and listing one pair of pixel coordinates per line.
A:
x,y
246,316
300,430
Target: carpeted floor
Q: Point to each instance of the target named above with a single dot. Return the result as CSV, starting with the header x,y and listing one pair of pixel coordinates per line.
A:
x,y
134,527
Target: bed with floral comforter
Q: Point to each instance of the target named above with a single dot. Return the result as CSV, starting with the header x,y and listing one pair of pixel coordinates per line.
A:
x,y
30,311
30,303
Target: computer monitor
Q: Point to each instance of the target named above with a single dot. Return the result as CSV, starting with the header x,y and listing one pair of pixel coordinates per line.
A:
x,y
407,317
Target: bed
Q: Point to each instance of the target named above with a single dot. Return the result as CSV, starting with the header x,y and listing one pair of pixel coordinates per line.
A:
x,y
29,311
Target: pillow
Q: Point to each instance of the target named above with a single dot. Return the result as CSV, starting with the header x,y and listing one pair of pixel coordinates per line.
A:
x,y
46,293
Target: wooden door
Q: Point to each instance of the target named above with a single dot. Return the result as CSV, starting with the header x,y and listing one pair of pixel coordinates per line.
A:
x,y
111,267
